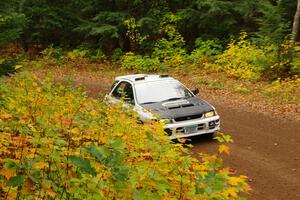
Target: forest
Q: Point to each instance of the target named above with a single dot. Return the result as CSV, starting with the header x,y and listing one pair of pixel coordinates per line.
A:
x,y
60,140
158,30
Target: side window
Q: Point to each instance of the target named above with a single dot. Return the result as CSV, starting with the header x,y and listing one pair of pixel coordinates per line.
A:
x,y
124,90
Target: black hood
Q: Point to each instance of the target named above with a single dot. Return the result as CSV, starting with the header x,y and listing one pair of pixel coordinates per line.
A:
x,y
179,108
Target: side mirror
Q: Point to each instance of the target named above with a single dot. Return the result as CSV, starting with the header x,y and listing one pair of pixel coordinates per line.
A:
x,y
195,91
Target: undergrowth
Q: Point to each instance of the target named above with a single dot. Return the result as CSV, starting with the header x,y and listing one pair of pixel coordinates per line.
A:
x,y
56,143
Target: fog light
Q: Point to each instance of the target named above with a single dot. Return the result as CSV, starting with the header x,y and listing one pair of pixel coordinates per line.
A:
x,y
168,131
212,124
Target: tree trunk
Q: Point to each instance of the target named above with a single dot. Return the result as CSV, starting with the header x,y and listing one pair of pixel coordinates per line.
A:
x,y
296,23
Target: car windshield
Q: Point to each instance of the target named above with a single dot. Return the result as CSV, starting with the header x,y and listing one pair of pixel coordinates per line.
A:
x,y
160,91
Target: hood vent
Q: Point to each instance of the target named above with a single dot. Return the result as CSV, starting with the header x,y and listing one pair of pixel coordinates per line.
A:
x,y
187,105
180,106
176,107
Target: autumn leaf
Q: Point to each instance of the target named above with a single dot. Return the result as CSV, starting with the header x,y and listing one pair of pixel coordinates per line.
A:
x,y
50,192
5,116
223,149
231,192
8,173
40,165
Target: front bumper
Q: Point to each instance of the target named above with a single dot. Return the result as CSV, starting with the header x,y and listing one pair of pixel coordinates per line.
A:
x,y
200,127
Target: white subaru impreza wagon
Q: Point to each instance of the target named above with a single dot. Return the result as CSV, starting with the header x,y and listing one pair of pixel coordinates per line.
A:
x,y
163,98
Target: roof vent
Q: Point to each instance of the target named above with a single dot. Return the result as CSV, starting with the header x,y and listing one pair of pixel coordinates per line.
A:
x,y
163,76
139,79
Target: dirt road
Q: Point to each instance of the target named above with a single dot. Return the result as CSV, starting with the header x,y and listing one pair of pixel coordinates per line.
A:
x,y
266,149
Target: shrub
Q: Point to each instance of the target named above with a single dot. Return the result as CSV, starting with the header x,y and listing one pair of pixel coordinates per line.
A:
x,y
205,51
210,83
53,53
83,52
78,53
241,89
58,143
140,63
209,47
98,55
170,52
295,64
244,60
117,54
11,26
287,90
7,66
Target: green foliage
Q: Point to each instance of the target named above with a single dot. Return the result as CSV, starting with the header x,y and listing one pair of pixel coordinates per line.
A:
x,y
7,67
241,89
53,53
204,51
50,22
244,60
58,143
208,47
286,90
295,64
141,63
11,26
273,26
96,55
117,54
134,34
78,53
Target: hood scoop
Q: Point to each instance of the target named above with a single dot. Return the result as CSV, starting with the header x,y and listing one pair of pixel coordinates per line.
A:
x,y
177,104
181,106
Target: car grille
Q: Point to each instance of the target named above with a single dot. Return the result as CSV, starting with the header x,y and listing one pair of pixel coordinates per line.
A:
x,y
179,119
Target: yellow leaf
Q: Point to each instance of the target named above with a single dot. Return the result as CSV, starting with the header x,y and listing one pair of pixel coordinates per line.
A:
x,y
39,89
223,148
234,181
224,171
34,84
231,192
18,66
75,131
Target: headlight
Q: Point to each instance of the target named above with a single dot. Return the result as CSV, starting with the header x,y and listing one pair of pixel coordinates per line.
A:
x,y
165,121
210,114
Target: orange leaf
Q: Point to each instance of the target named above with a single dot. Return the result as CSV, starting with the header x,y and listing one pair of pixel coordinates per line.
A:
x,y
50,192
8,173
40,165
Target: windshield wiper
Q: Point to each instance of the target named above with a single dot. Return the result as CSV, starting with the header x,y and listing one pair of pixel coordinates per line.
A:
x,y
172,99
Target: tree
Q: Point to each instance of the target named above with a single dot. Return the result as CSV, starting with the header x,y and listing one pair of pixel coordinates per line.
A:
x,y
12,22
296,22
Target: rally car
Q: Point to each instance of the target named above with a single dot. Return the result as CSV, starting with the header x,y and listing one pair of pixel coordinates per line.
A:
x,y
163,98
